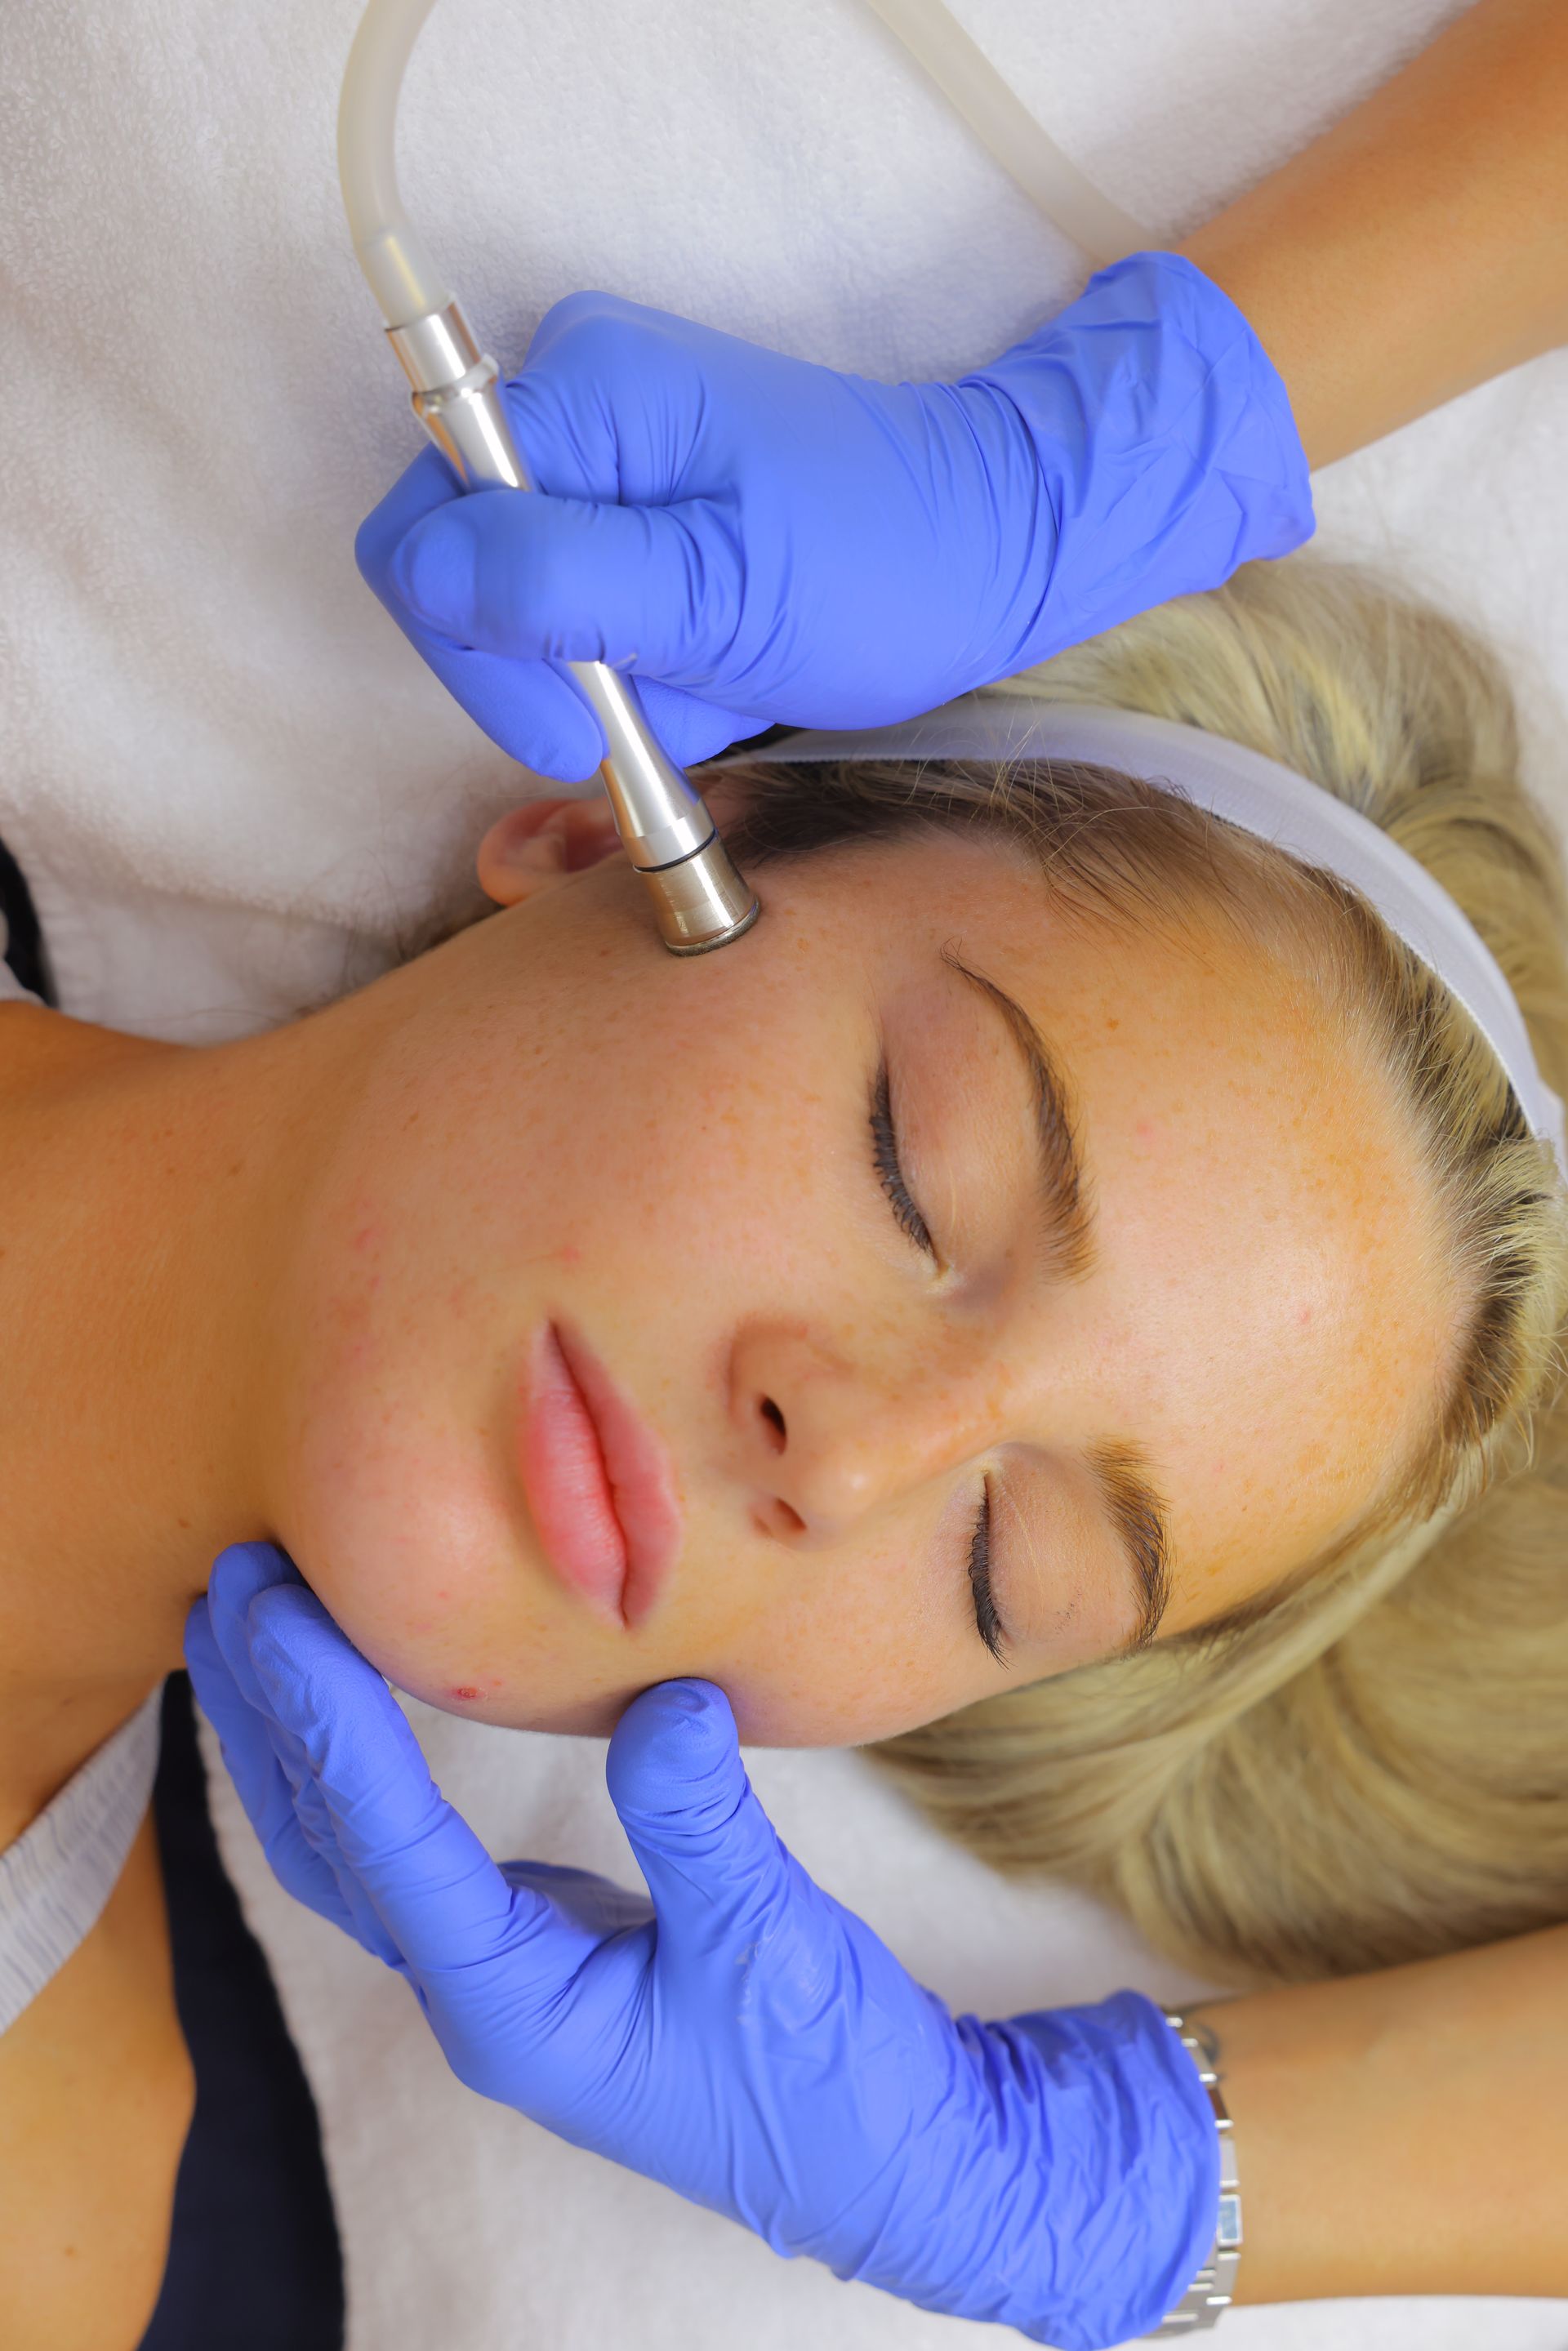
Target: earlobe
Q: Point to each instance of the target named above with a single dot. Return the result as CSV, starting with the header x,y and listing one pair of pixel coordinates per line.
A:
x,y
543,843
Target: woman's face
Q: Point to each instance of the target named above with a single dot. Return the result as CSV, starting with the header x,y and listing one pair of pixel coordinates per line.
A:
x,y
743,1317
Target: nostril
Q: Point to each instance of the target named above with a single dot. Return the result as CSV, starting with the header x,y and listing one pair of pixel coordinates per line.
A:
x,y
774,1516
775,1419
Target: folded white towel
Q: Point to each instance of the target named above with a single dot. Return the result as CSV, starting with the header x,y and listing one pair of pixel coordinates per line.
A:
x,y
234,790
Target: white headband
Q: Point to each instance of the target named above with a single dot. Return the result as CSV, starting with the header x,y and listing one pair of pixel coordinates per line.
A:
x,y
1259,797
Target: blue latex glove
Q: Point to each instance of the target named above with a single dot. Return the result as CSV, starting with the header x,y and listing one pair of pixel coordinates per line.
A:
x,y
763,540
744,2038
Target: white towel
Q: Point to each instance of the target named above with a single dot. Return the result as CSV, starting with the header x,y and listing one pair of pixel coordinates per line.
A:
x,y
214,738
234,790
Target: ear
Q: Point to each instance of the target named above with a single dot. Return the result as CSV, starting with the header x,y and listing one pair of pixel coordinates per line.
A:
x,y
543,843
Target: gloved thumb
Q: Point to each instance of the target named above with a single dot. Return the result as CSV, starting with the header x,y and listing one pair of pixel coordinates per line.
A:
x,y
533,577
707,1849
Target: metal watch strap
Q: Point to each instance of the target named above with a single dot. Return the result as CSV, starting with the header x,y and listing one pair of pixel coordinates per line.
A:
x,y
1211,2290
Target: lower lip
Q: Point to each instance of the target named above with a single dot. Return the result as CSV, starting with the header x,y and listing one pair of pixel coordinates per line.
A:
x,y
611,1534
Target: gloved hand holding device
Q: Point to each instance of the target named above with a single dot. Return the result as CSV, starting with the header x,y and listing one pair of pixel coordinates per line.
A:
x,y
743,2037
763,540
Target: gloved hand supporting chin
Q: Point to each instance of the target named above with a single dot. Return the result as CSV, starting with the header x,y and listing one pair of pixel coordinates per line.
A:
x,y
742,2037
763,540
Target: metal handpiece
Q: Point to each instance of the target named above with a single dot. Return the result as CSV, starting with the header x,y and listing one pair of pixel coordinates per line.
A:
x,y
699,899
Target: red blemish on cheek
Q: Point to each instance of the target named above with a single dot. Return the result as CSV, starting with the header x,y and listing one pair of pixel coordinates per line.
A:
x,y
1145,1130
1304,1316
463,1694
569,1254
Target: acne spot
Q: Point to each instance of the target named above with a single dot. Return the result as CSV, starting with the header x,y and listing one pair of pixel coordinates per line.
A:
x,y
1304,1316
364,1237
569,1254
463,1694
1145,1130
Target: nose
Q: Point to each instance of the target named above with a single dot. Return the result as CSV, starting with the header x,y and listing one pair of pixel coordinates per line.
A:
x,y
828,1439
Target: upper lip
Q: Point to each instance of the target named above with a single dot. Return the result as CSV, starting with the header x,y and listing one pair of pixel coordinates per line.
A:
x,y
638,1472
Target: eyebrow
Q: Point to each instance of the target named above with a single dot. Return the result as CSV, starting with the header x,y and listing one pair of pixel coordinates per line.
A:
x,y
1069,1219
1119,1468
1138,1516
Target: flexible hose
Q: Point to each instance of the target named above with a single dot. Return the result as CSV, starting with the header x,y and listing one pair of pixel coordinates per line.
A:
x,y
1005,126
407,284
397,265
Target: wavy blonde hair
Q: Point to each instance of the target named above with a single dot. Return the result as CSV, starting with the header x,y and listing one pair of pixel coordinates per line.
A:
x,y
1372,1765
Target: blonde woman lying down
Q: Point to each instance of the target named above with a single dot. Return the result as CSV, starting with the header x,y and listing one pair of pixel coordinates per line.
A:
x,y
908,1424
1090,1506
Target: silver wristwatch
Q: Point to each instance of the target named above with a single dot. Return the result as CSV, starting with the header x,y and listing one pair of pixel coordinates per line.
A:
x,y
1210,2290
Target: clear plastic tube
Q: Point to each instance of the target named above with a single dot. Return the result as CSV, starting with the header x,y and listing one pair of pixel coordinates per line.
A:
x,y
397,265
1004,125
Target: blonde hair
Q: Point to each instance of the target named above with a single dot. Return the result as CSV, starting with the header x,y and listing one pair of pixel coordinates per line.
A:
x,y
1372,1765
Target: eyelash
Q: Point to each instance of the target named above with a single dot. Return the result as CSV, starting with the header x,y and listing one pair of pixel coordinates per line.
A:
x,y
890,1175
991,1629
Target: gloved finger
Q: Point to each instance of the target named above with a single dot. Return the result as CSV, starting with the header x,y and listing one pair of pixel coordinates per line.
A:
x,y
433,1886
702,1839
597,1905
258,1778
533,712
294,1832
690,728
529,709
428,483
239,1574
540,578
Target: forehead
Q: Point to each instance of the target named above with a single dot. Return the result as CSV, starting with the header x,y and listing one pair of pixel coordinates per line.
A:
x,y
1269,1300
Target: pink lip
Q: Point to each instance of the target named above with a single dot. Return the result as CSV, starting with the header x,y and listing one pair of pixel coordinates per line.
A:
x,y
598,1483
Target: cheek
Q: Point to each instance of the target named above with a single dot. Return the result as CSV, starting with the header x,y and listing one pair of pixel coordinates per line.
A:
x,y
393,1495
837,1652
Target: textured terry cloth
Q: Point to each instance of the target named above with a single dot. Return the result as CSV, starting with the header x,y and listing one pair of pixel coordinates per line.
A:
x,y
62,1869
253,2247
235,789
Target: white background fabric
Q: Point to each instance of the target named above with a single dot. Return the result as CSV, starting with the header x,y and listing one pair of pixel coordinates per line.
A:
x,y
214,736
234,789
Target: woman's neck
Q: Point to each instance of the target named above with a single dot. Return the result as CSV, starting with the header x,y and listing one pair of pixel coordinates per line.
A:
x,y
144,1195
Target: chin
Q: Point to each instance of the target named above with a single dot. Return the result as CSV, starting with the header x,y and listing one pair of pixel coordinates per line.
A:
x,y
491,1700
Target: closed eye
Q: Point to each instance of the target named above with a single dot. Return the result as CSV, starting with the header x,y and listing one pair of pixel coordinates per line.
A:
x,y
890,1175
988,1623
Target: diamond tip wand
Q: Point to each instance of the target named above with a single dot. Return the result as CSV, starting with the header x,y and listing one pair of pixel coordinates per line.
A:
x,y
700,901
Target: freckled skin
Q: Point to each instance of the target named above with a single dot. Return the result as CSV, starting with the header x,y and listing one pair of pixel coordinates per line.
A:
x,y
553,1119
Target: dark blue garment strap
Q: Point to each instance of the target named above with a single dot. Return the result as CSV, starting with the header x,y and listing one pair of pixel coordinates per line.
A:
x,y
24,939
253,2261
